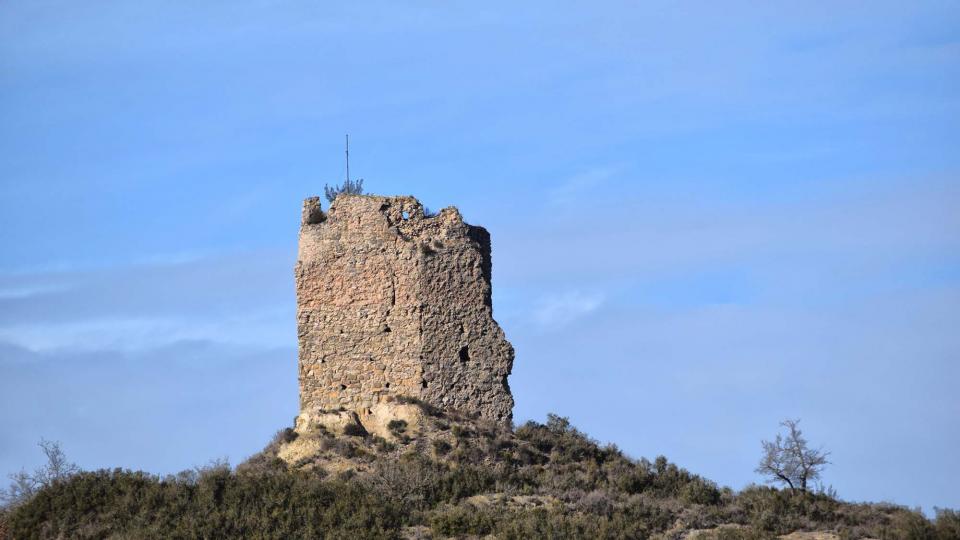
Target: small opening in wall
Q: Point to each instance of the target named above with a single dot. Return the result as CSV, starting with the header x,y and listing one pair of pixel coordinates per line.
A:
x,y
423,384
343,387
405,214
386,329
387,385
464,354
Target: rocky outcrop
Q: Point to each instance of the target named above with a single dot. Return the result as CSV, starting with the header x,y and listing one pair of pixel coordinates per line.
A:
x,y
391,302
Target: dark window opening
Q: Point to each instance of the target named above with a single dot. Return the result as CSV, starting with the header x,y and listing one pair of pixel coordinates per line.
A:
x,y
424,384
343,387
387,385
464,354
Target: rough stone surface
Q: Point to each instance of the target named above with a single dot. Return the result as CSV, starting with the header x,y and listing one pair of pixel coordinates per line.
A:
x,y
377,421
391,302
336,422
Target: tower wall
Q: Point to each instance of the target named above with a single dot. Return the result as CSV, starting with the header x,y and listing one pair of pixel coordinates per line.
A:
x,y
391,302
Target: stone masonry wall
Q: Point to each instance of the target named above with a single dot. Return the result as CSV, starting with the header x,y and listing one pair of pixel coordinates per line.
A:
x,y
391,302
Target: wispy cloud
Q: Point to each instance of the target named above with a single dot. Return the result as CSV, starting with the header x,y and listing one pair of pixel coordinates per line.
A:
x,y
241,298
579,186
561,309
655,233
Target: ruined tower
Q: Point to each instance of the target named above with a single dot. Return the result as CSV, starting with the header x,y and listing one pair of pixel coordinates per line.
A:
x,y
391,302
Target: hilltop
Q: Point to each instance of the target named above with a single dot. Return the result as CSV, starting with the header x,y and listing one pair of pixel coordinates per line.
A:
x,y
448,475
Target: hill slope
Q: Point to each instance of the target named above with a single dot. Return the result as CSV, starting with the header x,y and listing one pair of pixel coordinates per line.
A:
x,y
446,475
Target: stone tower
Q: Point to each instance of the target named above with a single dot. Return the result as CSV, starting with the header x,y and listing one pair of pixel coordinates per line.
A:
x,y
391,302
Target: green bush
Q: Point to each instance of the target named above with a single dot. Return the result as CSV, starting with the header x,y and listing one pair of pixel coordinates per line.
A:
x,y
354,430
348,186
397,427
579,490
700,491
220,504
441,447
947,524
462,520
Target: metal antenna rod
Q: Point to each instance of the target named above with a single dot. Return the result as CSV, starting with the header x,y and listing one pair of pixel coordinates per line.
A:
x,y
348,158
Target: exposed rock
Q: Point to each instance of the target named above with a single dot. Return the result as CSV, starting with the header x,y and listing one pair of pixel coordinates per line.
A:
x,y
339,441
336,422
390,303
377,418
312,213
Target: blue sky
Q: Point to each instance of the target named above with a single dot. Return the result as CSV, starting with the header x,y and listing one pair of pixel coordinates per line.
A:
x,y
705,218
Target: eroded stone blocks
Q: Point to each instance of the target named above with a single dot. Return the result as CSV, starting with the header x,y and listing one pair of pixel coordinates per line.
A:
x,y
391,302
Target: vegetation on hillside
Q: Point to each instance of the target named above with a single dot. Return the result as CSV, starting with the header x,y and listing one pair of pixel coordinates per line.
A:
x,y
460,477
24,485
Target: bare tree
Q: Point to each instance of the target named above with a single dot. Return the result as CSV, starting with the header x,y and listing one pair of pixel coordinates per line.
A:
x,y
57,467
22,488
788,460
348,186
24,485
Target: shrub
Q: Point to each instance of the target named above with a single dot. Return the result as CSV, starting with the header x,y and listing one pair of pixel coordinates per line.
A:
x,y
221,504
700,491
343,447
397,427
382,445
596,502
24,485
462,520
464,481
947,523
354,187
354,430
908,525
441,447
460,432
627,522
284,436
784,511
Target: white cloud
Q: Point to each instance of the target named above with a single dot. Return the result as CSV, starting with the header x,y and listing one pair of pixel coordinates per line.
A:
x,y
559,310
577,187
264,327
239,298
